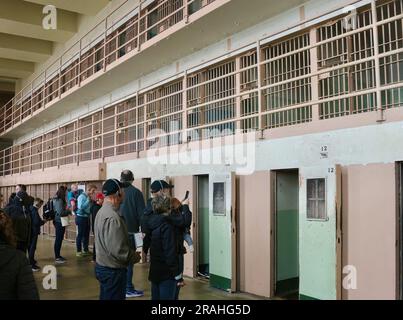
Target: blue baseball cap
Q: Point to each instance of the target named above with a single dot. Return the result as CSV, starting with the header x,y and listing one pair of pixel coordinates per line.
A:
x,y
113,186
158,185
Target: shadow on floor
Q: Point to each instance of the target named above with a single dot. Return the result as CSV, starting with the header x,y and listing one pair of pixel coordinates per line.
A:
x,y
76,278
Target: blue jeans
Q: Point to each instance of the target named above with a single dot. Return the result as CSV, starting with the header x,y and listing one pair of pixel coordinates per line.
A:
x,y
165,290
130,268
188,239
83,234
112,283
181,269
60,230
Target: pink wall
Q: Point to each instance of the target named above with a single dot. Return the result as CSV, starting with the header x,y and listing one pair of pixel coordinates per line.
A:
x,y
138,183
369,229
254,233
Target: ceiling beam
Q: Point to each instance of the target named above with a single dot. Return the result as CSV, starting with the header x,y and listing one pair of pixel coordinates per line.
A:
x,y
15,69
7,86
25,19
86,7
23,48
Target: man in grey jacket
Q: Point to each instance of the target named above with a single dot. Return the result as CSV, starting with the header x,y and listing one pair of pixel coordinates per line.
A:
x,y
114,251
132,210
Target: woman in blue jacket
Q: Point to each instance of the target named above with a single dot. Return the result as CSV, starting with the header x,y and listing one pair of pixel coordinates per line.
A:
x,y
83,221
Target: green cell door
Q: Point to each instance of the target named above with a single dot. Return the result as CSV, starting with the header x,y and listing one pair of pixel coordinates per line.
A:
x,y
222,242
320,232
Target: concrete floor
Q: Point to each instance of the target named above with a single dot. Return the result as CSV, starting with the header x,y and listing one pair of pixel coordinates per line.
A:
x,y
76,279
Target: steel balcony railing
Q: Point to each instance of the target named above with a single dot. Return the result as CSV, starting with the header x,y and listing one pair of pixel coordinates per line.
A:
x,y
98,49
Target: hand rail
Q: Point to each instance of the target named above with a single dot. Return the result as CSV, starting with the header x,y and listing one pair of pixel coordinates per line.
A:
x,y
75,57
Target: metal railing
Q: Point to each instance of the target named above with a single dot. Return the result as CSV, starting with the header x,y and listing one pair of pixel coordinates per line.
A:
x,y
301,78
94,52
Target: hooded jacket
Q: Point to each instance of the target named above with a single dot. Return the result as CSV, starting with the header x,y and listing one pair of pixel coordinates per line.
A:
x,y
36,221
21,220
83,205
132,208
16,278
179,221
164,260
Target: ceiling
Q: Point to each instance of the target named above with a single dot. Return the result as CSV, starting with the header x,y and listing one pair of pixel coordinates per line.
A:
x,y
24,41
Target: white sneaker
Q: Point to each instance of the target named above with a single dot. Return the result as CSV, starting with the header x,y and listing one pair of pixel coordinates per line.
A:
x,y
60,261
35,268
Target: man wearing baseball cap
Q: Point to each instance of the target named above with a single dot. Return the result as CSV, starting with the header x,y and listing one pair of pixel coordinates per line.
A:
x,y
114,252
160,186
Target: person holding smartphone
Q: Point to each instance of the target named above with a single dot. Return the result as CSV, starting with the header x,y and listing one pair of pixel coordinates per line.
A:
x,y
180,221
165,273
181,218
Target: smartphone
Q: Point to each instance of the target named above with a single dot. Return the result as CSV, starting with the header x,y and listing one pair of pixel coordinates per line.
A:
x,y
186,195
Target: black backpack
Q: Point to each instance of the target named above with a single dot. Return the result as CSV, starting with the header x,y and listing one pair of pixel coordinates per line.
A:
x,y
48,210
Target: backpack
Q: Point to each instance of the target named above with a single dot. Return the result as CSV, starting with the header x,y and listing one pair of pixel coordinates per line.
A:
x,y
48,210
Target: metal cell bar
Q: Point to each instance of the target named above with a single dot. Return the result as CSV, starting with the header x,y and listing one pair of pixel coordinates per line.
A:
x,y
377,67
221,90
